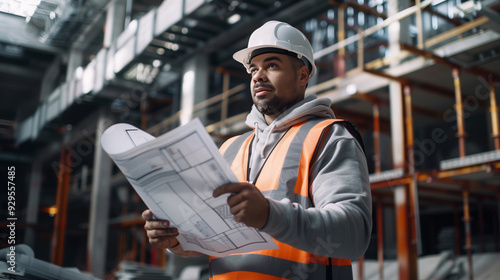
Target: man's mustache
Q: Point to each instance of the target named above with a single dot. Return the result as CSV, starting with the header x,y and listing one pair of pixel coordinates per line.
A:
x,y
262,85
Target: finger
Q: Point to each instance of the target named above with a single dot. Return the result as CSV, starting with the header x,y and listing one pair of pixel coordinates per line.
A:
x,y
234,199
228,188
238,207
147,215
239,215
150,225
160,233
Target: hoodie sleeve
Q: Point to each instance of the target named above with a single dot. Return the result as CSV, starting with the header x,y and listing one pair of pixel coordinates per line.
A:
x,y
339,225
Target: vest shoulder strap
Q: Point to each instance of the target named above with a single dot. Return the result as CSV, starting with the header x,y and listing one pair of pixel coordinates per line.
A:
x,y
354,132
230,149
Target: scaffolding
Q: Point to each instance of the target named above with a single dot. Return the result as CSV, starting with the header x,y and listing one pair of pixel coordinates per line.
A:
x,y
388,96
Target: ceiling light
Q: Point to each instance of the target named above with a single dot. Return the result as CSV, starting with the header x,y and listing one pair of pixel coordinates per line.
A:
x,y
351,89
143,73
234,19
191,22
171,46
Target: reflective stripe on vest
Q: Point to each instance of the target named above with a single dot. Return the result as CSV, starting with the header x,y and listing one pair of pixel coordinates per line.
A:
x,y
292,155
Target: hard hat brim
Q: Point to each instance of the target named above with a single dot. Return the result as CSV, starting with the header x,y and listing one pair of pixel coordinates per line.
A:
x,y
243,56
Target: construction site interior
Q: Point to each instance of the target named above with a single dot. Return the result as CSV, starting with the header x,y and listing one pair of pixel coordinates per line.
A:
x,y
420,80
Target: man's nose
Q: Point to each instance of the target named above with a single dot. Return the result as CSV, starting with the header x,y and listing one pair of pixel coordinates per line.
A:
x,y
259,76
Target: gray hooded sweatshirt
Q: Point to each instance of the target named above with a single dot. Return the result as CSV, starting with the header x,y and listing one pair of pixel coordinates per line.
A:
x,y
339,224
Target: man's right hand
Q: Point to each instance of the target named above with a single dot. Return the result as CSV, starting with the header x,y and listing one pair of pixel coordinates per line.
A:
x,y
159,232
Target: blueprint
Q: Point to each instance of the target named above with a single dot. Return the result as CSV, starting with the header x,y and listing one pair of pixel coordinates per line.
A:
x,y
175,175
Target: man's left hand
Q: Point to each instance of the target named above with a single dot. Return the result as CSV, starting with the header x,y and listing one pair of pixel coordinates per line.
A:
x,y
248,205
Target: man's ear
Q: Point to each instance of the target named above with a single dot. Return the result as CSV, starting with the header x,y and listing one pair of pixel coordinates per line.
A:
x,y
303,76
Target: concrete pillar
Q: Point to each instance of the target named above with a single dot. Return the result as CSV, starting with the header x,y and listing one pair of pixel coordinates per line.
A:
x,y
115,21
33,202
397,125
75,60
398,32
99,203
194,86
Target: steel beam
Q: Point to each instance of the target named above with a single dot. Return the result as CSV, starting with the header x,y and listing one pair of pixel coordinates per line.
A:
x,y
455,21
494,118
463,171
391,183
387,76
460,111
410,167
376,136
407,257
59,233
339,60
468,242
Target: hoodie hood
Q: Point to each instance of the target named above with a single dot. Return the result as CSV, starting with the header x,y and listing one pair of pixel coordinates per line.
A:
x,y
308,108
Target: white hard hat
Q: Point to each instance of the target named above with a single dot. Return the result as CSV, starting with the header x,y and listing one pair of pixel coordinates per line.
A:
x,y
273,36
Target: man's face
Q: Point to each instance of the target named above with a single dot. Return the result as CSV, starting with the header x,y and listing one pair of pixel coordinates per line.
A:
x,y
276,83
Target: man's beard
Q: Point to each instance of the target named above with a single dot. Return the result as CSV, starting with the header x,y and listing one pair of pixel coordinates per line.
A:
x,y
274,106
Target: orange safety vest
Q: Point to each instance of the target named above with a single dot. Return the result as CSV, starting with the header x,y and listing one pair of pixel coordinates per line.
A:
x,y
292,155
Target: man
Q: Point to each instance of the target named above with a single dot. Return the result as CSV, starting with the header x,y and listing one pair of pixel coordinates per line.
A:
x,y
303,176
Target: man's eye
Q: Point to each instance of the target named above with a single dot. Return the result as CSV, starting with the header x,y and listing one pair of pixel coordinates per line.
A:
x,y
272,65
